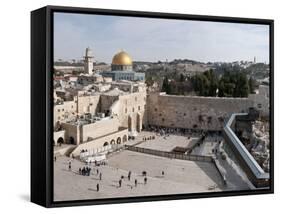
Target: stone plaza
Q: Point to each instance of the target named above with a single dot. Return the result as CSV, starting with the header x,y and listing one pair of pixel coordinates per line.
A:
x,y
180,176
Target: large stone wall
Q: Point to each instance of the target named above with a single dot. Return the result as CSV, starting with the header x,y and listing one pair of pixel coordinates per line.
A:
x,y
88,104
190,112
99,128
71,131
132,110
66,110
106,102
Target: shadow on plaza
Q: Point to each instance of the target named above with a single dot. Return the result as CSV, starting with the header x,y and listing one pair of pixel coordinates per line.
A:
x,y
91,189
210,170
96,179
114,185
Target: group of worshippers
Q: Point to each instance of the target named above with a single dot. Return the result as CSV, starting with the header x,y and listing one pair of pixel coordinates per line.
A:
x,y
85,171
148,138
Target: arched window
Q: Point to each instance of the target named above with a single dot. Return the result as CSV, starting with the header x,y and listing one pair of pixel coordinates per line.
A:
x,y
60,140
118,140
71,140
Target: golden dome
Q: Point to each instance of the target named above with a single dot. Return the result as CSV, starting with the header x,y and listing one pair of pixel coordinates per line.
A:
x,y
122,58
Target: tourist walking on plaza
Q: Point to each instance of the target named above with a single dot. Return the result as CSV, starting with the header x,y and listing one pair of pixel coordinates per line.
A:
x,y
129,175
100,176
69,166
163,173
136,182
98,187
120,183
145,180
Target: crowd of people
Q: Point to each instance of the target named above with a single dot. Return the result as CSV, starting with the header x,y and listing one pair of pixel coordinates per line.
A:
x,y
86,171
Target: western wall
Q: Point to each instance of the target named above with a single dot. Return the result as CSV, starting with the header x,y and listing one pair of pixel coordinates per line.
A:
x,y
193,112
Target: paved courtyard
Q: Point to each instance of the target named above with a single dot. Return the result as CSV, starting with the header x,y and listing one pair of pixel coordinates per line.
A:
x,y
165,143
180,176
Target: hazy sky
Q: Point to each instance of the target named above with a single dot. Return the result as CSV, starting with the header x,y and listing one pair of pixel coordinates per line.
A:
x,y
147,39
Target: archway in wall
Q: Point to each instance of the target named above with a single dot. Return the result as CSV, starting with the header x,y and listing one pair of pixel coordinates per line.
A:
x,y
71,140
124,138
105,144
112,141
60,141
130,123
118,140
139,123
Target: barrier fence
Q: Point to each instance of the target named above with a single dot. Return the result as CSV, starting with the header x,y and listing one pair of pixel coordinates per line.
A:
x,y
170,154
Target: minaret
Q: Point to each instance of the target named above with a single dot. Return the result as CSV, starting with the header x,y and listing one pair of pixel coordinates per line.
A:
x,y
88,61
254,60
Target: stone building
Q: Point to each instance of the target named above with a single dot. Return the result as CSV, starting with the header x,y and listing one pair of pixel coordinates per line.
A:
x,y
100,115
261,100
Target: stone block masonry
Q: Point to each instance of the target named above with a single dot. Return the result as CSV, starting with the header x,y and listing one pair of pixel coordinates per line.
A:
x,y
193,112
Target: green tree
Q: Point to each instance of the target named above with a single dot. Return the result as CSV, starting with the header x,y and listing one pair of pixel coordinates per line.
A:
x,y
166,87
251,85
234,84
149,81
205,84
182,78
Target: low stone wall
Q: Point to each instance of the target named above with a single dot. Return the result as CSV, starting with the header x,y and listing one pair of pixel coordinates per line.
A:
x,y
98,143
247,162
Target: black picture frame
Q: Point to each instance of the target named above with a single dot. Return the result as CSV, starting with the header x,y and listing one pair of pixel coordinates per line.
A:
x,y
42,104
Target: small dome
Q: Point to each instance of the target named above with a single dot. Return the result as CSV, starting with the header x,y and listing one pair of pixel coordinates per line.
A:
x,y
122,58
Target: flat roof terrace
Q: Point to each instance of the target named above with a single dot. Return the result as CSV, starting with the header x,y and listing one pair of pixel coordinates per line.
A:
x,y
164,143
87,121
